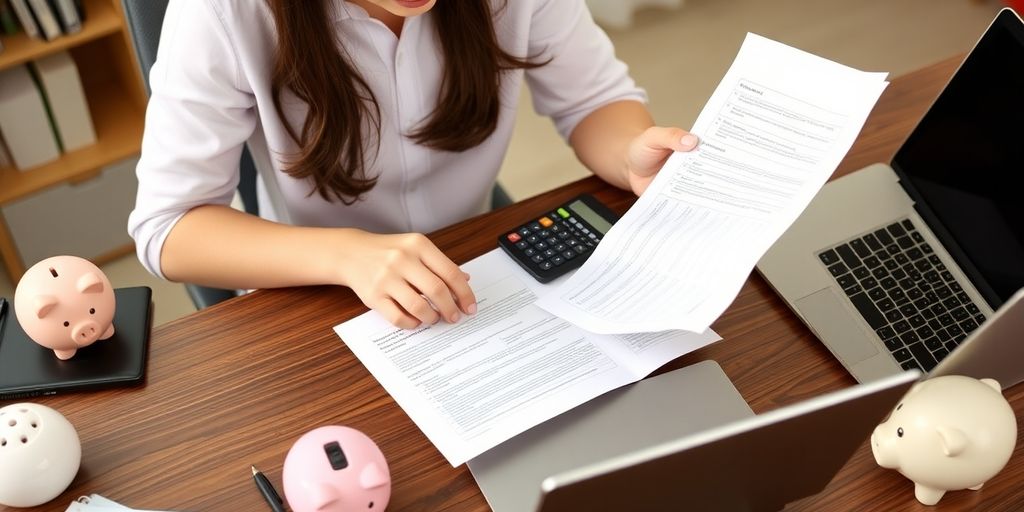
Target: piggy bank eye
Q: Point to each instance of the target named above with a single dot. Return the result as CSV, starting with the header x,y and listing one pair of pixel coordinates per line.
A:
x,y
371,505
899,432
92,311
66,323
898,406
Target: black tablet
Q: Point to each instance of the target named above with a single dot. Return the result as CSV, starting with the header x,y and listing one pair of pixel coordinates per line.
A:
x,y
28,369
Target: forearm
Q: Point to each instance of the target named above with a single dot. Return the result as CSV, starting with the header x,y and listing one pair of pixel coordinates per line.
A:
x,y
219,246
601,140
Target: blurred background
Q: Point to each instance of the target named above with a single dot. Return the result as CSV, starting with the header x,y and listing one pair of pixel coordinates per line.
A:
x,y
677,50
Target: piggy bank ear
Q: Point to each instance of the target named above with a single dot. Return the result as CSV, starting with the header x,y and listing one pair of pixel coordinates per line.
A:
x,y
89,283
373,476
322,495
44,304
953,440
994,384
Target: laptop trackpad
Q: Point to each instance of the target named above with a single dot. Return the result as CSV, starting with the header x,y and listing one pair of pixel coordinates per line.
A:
x,y
836,326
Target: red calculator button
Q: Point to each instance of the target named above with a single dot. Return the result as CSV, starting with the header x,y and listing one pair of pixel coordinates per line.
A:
x,y
514,237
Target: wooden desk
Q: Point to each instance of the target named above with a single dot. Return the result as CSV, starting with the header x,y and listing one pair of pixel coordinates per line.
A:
x,y
238,383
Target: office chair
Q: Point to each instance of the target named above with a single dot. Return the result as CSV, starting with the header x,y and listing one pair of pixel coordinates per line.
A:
x,y
145,19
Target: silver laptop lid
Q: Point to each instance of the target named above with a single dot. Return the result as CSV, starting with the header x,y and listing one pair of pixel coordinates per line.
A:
x,y
994,351
655,410
759,463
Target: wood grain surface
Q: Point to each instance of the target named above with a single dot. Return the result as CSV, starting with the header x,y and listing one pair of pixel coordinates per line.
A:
x,y
238,383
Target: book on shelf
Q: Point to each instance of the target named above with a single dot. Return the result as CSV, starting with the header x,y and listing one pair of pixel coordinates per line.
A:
x,y
23,120
62,91
26,18
5,156
68,14
8,20
46,18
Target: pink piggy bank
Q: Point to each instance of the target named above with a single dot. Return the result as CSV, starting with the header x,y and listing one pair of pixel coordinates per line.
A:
x,y
65,303
336,469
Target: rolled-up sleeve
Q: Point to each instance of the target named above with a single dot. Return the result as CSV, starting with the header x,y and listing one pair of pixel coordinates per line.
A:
x,y
199,116
583,73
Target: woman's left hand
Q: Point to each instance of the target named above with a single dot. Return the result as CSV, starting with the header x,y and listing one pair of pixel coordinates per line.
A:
x,y
648,153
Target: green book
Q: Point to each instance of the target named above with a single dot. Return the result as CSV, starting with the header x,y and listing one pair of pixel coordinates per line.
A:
x,y
46,104
8,22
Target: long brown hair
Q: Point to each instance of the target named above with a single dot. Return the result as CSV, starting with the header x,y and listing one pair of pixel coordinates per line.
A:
x,y
309,63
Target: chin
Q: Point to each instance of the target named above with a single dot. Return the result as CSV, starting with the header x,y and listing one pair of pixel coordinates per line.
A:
x,y
410,7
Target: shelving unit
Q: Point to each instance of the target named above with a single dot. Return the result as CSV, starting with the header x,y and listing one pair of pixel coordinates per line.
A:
x,y
103,53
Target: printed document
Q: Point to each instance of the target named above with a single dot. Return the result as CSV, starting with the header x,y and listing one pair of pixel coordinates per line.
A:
x,y
771,134
471,385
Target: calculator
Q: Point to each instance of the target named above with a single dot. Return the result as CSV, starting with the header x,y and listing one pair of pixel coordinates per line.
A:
x,y
561,240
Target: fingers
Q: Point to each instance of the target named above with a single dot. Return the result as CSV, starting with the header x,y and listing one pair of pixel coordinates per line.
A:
x,y
437,292
649,151
677,139
456,281
395,314
415,304
688,141
410,281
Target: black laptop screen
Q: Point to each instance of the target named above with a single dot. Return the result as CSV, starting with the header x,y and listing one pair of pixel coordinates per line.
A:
x,y
965,160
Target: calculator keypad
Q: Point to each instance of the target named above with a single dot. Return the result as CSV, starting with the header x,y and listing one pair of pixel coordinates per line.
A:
x,y
551,245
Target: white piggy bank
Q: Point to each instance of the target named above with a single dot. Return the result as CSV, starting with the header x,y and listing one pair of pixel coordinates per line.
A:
x,y
948,433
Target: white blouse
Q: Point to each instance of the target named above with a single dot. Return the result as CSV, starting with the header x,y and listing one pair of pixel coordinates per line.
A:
x,y
211,95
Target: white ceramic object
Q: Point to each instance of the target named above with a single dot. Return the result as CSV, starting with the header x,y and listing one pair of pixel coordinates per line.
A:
x,y
39,454
947,433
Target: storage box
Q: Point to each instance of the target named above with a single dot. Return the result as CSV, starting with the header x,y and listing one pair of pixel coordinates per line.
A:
x,y
87,219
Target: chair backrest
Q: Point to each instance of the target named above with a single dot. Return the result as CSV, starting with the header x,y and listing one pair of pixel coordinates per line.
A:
x,y
145,19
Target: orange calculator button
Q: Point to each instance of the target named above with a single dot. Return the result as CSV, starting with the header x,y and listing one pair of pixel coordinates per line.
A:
x,y
546,222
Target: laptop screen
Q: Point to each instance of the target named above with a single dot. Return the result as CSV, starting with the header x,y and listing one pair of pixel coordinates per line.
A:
x,y
964,162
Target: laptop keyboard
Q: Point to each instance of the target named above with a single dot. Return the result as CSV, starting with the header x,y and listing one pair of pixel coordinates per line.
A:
x,y
905,293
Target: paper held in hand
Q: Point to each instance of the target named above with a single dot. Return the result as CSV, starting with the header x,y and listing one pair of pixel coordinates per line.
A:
x,y
772,133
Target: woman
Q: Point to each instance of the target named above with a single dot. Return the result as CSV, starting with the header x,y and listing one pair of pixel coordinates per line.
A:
x,y
371,121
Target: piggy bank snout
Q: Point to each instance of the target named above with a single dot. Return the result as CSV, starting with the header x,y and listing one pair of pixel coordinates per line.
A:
x,y
882,448
85,333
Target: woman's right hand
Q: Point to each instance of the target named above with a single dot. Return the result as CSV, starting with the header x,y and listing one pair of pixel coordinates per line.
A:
x,y
405,277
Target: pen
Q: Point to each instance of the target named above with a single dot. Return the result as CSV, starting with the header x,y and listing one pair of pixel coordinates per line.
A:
x,y
267,490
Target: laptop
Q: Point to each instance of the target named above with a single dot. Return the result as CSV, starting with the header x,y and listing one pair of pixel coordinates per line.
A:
x,y
28,370
629,419
895,265
754,464
649,426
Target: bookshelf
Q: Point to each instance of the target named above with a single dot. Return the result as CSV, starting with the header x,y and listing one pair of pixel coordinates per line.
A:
x,y
114,90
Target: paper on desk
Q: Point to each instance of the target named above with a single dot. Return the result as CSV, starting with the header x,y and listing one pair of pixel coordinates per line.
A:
x,y
97,503
772,133
471,385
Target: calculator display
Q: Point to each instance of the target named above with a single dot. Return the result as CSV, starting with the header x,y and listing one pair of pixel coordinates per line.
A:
x,y
590,216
